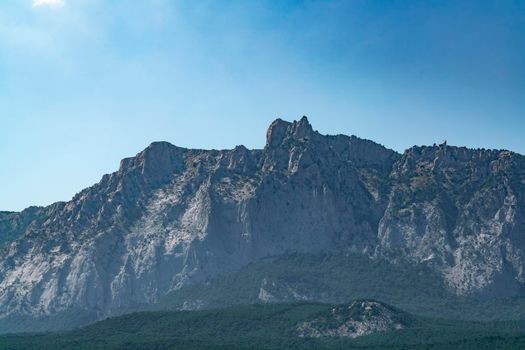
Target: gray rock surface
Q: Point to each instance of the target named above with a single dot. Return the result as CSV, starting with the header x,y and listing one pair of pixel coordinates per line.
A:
x,y
172,216
462,212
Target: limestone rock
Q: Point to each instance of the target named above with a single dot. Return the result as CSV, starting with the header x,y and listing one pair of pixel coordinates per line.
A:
x,y
172,216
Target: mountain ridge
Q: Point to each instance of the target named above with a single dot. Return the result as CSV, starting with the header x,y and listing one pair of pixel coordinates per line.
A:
x,y
173,216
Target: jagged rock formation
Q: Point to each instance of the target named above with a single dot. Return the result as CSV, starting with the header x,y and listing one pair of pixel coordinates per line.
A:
x,y
172,216
461,211
361,317
14,225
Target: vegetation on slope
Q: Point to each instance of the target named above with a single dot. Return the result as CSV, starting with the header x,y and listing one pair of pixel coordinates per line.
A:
x,y
265,327
339,278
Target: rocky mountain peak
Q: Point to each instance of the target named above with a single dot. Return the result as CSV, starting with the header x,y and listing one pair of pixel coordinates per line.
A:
x,y
302,128
276,133
156,163
279,130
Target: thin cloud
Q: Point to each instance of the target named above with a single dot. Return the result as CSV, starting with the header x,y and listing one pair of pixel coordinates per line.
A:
x,y
53,3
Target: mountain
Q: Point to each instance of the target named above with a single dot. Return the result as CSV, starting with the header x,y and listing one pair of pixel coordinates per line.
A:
x,y
361,324
462,212
172,217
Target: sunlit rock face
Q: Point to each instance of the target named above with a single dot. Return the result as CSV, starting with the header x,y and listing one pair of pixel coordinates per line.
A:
x,y
461,211
172,216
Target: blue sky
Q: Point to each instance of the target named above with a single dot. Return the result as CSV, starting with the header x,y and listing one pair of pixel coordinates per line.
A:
x,y
84,83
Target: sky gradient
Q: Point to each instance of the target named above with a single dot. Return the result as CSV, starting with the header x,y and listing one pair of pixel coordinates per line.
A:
x,y
84,83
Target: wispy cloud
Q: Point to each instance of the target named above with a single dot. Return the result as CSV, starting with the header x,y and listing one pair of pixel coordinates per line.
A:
x,y
53,3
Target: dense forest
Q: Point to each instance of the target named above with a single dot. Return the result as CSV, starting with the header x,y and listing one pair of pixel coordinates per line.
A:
x,y
271,326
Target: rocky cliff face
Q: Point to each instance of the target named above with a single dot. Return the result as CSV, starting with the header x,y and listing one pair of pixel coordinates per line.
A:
x,y
462,212
172,216
14,225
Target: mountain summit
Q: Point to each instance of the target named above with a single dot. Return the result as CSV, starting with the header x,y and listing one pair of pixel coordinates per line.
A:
x,y
172,216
